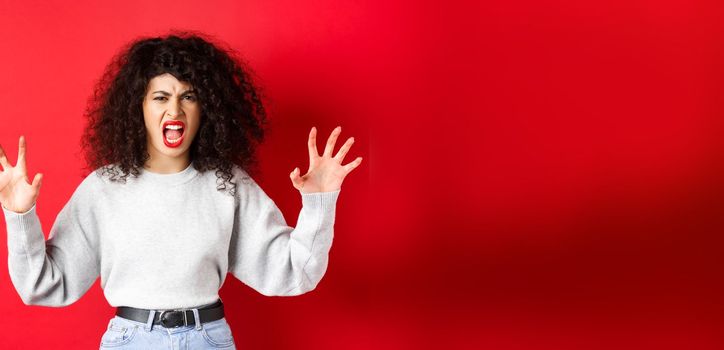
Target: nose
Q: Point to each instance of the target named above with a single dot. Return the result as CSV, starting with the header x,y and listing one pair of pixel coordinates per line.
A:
x,y
174,111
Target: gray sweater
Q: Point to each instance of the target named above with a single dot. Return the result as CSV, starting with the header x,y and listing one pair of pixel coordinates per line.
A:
x,y
167,241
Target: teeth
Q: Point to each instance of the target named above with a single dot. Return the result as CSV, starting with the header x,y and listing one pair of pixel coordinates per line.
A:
x,y
174,127
173,141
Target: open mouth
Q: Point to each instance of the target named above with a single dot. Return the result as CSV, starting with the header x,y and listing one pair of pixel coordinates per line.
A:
x,y
173,133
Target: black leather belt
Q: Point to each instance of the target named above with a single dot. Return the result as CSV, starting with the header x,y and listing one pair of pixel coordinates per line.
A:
x,y
173,318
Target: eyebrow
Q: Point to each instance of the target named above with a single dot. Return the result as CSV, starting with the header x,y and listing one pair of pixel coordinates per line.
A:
x,y
168,94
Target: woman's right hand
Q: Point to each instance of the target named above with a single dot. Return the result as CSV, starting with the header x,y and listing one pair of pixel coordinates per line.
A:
x,y
16,193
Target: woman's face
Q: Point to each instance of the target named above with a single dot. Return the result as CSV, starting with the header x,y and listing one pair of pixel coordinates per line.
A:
x,y
172,114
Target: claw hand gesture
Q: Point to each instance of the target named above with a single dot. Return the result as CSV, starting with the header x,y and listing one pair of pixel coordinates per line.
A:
x,y
16,193
325,173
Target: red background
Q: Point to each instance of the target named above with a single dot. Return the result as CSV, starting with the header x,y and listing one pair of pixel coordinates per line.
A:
x,y
536,175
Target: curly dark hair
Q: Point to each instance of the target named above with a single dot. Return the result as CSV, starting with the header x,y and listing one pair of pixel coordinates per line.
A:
x,y
232,119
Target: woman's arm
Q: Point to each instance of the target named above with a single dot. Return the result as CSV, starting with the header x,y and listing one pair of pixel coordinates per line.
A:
x,y
273,258
56,272
270,256
53,273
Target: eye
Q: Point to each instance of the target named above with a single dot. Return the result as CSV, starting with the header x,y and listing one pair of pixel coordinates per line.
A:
x,y
158,98
191,97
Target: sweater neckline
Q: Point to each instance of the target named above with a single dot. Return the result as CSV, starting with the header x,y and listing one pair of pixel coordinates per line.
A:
x,y
169,179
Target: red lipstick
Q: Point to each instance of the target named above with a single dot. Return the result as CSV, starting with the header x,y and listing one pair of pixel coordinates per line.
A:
x,y
177,142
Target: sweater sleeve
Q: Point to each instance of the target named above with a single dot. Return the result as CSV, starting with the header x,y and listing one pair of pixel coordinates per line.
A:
x,y
273,258
56,272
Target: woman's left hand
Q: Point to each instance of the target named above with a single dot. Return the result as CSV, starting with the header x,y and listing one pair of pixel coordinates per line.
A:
x,y
325,173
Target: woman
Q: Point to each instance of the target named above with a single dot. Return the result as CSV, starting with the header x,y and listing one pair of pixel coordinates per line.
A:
x,y
170,208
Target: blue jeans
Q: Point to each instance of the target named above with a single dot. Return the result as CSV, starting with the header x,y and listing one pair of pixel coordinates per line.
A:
x,y
123,333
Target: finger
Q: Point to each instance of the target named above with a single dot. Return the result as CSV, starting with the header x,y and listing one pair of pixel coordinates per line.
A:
x,y
3,159
37,181
344,149
312,144
21,147
353,164
331,141
296,179
21,153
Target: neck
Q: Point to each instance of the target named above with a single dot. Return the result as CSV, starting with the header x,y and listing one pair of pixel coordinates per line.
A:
x,y
167,165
